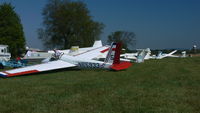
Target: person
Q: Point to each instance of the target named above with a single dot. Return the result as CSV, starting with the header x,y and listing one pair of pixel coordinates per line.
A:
x,y
18,59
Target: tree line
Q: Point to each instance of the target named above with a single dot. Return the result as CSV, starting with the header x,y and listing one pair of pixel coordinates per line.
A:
x,y
11,30
65,23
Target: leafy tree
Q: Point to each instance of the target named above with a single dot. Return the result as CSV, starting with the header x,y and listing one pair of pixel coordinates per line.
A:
x,y
11,30
127,39
68,23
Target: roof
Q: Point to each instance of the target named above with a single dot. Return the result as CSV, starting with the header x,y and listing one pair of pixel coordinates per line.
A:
x,y
3,45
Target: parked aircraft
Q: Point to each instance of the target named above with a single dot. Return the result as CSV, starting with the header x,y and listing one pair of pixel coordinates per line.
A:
x,y
163,55
142,53
131,56
76,50
38,55
147,55
139,56
82,60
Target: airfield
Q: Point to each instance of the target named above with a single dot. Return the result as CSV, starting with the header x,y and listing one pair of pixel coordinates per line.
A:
x,y
169,85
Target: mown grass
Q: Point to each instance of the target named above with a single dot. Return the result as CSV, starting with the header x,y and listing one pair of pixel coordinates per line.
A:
x,y
170,85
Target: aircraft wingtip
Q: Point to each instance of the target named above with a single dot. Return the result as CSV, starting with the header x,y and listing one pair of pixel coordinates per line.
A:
x,y
3,75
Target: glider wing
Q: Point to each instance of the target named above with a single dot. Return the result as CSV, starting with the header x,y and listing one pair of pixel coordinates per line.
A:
x,y
59,64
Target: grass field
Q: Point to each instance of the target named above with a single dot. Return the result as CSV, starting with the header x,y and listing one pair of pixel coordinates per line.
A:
x,y
170,85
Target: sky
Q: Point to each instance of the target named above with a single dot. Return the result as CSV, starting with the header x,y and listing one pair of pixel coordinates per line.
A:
x,y
158,24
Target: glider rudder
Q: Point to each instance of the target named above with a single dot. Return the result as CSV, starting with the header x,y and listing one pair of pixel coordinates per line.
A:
x,y
117,64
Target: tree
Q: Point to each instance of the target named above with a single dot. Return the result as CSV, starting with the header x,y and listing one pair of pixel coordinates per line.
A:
x,y
68,23
11,30
127,39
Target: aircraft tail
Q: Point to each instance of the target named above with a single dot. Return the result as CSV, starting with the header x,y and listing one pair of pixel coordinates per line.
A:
x,y
97,43
141,56
147,54
113,57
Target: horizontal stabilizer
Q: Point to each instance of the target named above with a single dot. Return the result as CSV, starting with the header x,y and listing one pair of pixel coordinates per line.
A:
x,y
121,66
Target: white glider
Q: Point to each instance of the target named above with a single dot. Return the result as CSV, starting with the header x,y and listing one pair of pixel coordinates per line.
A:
x,y
163,55
82,60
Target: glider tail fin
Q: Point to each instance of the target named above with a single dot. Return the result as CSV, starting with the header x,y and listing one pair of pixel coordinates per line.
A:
x,y
113,57
97,43
141,56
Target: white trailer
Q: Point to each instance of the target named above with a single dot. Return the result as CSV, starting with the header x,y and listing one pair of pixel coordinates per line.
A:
x,y
4,54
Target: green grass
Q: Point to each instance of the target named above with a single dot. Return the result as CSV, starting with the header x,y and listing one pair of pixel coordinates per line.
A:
x,y
156,86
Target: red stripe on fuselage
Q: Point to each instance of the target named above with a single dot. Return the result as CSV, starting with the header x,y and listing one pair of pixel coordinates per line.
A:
x,y
103,51
21,73
89,51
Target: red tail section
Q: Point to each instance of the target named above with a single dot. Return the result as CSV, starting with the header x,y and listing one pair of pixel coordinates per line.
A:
x,y
117,53
121,66
117,65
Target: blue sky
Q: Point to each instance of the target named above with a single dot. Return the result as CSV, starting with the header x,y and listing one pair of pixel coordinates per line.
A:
x,y
157,24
